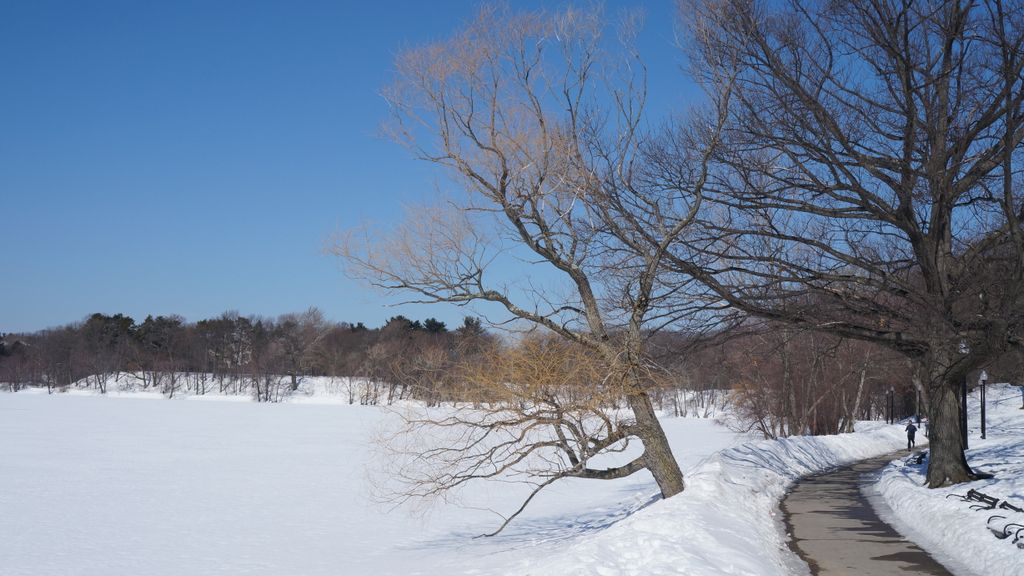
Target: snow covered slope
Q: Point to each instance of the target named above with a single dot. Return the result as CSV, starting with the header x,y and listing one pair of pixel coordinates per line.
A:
x,y
725,522
947,526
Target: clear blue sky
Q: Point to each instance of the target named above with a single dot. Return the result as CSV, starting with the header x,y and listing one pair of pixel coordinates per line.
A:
x,y
191,157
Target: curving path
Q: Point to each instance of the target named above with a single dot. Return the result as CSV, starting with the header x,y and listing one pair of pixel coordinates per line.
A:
x,y
836,531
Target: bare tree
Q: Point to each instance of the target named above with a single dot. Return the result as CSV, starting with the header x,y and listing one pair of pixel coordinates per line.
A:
x,y
533,413
539,118
297,335
792,382
868,182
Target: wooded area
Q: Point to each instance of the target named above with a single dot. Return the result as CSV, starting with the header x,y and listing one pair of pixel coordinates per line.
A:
x,y
249,354
782,382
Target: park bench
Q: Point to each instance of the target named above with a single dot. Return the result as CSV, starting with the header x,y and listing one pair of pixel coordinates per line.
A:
x,y
1001,527
1005,505
984,501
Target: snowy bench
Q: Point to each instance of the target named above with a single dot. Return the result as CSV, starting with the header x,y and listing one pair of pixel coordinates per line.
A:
x,y
1002,527
984,501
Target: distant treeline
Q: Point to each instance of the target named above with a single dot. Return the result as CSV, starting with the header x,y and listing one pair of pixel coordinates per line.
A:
x,y
779,381
236,347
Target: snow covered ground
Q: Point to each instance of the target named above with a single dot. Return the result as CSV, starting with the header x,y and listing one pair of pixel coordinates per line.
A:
x,y
124,486
118,486
948,526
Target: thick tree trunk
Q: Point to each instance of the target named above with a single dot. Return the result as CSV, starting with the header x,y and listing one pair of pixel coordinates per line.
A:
x,y
946,462
657,453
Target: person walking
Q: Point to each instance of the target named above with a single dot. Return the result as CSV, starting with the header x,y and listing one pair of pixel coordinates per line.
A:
x,y
911,431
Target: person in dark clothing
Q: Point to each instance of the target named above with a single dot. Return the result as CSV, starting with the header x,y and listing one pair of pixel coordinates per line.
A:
x,y
911,431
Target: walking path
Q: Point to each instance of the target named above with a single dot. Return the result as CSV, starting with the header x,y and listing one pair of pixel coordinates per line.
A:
x,y
837,532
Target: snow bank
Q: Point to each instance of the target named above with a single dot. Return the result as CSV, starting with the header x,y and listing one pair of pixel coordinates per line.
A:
x,y
726,522
947,526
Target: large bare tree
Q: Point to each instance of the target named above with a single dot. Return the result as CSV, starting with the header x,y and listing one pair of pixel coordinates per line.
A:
x,y
868,183
539,118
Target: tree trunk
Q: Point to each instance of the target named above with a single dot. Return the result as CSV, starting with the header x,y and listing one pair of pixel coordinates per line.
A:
x,y
922,406
848,427
657,453
946,463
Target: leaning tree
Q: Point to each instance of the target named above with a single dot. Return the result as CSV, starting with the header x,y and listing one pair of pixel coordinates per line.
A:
x,y
867,182
567,201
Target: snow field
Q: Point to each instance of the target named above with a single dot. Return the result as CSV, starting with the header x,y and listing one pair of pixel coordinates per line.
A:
x,y
115,486
110,486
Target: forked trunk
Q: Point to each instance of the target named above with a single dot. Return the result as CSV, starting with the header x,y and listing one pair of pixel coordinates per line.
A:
x,y
946,462
657,453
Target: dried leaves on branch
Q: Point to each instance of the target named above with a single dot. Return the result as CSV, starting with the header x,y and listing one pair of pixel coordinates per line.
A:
x,y
534,412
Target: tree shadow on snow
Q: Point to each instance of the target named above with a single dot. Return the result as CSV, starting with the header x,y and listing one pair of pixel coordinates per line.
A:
x,y
530,531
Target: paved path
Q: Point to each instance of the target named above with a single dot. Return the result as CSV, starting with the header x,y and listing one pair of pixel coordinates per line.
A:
x,y
836,531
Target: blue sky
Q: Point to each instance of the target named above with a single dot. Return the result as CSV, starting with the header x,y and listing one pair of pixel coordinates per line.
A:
x,y
192,157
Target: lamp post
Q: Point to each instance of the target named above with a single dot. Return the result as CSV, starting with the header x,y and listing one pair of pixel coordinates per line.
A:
x,y
983,379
